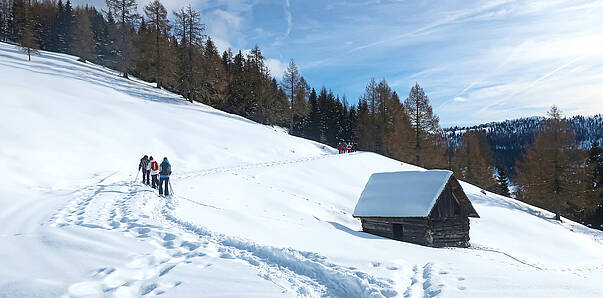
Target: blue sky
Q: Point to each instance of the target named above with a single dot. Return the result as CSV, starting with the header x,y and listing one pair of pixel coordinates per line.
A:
x,y
478,61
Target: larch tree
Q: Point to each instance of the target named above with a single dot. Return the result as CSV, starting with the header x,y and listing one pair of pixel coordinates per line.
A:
x,y
301,106
422,119
125,13
471,161
160,27
545,173
289,83
28,41
398,141
83,42
367,110
190,31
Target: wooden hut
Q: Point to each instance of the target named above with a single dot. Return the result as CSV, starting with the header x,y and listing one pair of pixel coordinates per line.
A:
x,y
423,207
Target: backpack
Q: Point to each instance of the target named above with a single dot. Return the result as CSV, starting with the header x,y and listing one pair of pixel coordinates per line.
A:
x,y
166,168
143,163
154,166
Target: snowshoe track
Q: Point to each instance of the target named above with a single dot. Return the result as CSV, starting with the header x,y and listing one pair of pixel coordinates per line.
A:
x,y
137,212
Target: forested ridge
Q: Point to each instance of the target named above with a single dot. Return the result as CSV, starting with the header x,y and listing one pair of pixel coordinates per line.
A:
x,y
554,162
509,139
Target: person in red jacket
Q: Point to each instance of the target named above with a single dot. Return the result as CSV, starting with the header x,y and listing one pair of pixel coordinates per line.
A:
x,y
154,172
340,147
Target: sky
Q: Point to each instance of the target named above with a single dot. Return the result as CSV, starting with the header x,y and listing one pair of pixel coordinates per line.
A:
x,y
478,61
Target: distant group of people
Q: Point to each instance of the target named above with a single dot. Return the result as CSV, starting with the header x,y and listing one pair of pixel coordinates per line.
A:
x,y
346,147
151,169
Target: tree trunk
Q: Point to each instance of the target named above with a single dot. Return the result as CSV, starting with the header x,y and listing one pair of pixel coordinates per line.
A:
x,y
157,50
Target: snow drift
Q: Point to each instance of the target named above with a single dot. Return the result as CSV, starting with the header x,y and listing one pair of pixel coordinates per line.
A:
x,y
255,212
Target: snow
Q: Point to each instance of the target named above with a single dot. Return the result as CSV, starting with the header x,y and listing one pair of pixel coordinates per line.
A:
x,y
401,194
256,212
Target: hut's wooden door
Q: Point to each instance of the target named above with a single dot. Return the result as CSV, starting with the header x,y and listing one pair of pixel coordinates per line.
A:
x,y
398,231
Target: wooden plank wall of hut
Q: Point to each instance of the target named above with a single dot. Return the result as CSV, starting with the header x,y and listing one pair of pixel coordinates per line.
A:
x,y
450,232
378,228
414,230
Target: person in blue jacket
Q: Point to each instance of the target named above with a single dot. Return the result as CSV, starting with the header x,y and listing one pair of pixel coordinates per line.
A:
x,y
165,170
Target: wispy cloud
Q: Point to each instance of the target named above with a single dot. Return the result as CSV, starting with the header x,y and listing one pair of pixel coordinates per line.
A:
x,y
447,19
288,18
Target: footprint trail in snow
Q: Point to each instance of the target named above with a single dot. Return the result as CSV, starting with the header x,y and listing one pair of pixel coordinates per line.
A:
x,y
137,212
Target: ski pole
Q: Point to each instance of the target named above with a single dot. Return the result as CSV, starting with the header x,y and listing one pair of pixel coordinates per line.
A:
x,y
136,176
171,188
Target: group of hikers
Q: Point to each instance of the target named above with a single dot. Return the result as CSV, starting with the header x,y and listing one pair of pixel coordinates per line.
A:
x,y
151,169
346,147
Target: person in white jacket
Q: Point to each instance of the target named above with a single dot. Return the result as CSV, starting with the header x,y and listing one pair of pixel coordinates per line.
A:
x,y
154,169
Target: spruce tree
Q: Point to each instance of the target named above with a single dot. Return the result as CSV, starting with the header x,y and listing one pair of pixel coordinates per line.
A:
x,y
4,19
67,23
595,178
143,57
313,123
215,82
17,20
503,182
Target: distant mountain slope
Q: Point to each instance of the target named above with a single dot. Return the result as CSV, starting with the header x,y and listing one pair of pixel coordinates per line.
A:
x,y
509,139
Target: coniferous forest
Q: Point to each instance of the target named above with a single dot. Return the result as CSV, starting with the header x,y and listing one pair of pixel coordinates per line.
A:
x,y
555,163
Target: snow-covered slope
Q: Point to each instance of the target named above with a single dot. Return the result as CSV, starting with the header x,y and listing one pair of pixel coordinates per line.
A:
x,y
255,212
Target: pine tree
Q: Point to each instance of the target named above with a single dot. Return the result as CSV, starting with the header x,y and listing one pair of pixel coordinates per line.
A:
x,y
84,45
289,83
422,120
502,182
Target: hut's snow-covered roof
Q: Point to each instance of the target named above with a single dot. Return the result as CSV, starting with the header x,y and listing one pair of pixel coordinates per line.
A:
x,y
401,194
